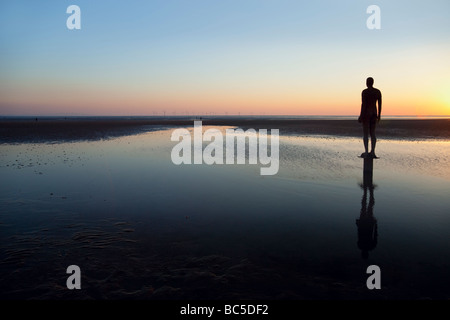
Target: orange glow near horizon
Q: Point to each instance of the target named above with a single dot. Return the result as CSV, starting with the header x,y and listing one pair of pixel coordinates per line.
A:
x,y
84,100
297,58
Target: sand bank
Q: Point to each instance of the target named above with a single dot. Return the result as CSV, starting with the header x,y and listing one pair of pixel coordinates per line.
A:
x,y
48,130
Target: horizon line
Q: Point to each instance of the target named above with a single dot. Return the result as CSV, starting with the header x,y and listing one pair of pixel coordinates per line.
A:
x,y
208,115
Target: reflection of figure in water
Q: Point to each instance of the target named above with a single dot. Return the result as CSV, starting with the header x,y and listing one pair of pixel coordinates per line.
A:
x,y
369,116
367,224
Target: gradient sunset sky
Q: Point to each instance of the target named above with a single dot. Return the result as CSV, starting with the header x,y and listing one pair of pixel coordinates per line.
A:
x,y
223,57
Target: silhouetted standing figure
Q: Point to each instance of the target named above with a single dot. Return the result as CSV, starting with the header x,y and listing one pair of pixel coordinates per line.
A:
x,y
367,224
369,116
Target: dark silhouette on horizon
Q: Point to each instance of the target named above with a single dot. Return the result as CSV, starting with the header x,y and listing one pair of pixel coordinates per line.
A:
x,y
367,224
369,117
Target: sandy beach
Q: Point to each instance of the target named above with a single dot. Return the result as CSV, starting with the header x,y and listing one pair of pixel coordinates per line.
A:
x,y
68,129
107,197
199,155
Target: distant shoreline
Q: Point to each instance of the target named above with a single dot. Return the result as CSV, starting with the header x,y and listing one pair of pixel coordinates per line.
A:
x,y
60,129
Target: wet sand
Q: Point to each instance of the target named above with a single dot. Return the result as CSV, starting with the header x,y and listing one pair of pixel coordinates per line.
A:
x,y
144,232
45,130
118,264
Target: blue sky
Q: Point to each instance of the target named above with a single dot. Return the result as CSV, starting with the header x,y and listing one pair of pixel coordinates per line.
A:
x,y
219,55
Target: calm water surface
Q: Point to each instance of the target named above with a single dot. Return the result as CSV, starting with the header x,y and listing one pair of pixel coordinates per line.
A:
x,y
140,226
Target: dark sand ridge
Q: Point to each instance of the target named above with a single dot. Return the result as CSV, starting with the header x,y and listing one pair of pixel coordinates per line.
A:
x,y
20,131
